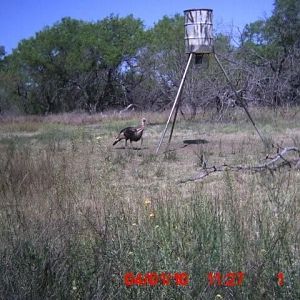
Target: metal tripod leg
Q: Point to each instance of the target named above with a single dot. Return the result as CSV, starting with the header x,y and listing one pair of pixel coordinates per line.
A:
x,y
173,124
175,102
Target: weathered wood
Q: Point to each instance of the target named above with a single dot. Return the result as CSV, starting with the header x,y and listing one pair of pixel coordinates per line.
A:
x,y
279,161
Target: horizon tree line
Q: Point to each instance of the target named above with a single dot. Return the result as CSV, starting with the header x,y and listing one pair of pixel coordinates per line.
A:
x,y
76,65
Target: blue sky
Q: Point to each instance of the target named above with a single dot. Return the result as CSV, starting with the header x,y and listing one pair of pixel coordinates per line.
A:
x,y
20,19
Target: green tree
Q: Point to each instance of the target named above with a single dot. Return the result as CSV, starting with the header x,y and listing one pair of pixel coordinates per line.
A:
x,y
45,63
119,41
271,48
2,52
166,51
283,27
75,64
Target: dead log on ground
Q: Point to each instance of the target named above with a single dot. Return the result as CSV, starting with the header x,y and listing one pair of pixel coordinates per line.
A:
x,y
280,160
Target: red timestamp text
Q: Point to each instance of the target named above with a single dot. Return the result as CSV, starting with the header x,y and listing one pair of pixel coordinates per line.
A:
x,y
153,278
229,279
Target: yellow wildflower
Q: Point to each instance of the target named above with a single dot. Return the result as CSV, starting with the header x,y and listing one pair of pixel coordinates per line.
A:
x,y
147,201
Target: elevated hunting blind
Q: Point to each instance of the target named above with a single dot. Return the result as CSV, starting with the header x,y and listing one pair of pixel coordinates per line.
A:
x,y
198,24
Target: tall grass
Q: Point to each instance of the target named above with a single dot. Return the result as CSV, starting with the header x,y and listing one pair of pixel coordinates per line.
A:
x,y
75,218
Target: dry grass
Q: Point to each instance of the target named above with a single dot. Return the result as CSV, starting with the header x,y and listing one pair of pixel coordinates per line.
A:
x,y
77,214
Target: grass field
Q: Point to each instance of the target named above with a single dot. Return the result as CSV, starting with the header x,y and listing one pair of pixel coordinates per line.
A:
x,y
77,214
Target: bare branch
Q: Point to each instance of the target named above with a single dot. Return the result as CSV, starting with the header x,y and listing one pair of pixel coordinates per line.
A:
x,y
279,161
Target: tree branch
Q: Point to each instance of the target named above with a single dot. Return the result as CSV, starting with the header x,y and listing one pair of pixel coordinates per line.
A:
x,y
275,163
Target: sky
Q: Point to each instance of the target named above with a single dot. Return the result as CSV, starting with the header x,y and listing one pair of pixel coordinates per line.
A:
x,y
21,19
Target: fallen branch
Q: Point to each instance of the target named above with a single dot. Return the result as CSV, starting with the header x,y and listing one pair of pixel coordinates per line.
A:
x,y
279,161
130,106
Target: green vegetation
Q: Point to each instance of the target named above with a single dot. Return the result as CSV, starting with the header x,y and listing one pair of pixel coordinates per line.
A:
x,y
109,64
77,214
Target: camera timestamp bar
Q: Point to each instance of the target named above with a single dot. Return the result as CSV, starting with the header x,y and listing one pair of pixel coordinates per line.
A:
x,y
230,279
153,278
